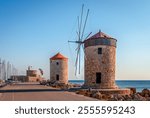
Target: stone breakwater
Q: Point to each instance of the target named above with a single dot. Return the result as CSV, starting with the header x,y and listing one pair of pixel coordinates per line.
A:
x,y
144,95
129,94
60,85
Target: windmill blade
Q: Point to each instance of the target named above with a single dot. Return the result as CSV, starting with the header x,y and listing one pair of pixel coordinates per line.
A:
x,y
76,62
80,24
78,34
88,35
85,24
78,46
79,60
84,53
79,41
79,30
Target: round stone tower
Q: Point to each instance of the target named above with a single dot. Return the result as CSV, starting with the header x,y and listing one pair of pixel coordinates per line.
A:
x,y
100,59
59,69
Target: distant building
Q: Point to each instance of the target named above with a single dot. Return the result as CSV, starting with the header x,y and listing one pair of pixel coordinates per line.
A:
x,y
31,76
59,69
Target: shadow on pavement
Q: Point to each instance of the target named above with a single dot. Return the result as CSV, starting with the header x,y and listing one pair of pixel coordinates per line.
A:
x,y
31,90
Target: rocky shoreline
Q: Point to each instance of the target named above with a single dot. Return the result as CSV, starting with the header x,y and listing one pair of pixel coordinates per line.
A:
x,y
60,85
144,95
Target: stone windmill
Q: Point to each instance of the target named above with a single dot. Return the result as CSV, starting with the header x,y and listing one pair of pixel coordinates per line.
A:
x,y
99,57
59,69
100,51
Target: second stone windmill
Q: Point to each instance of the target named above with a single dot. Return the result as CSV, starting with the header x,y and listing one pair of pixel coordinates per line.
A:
x,y
99,57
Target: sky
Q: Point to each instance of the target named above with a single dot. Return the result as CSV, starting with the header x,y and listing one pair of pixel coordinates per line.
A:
x,y
32,31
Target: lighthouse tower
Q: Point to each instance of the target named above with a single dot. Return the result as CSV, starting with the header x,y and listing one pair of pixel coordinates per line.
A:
x,y
59,69
100,60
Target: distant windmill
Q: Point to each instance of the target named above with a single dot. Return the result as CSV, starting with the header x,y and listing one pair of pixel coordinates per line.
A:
x,y
80,41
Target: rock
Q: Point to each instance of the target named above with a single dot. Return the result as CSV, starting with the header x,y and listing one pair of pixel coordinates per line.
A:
x,y
76,85
77,92
145,92
127,98
89,89
148,98
114,98
82,92
132,90
120,97
146,95
138,97
94,92
107,96
43,82
134,96
94,95
54,86
111,96
97,95
88,93
62,86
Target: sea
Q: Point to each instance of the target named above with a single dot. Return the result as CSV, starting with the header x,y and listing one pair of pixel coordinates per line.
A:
x,y
138,84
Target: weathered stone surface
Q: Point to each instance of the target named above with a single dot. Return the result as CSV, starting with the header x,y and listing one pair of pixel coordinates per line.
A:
x,y
103,63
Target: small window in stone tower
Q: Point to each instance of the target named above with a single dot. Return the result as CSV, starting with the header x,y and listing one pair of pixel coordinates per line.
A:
x,y
57,63
57,77
99,50
98,78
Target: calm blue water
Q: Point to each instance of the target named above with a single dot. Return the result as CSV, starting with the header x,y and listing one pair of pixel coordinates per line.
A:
x,y
138,84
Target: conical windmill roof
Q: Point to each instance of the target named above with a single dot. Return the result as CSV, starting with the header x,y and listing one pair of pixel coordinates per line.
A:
x,y
58,56
100,38
99,35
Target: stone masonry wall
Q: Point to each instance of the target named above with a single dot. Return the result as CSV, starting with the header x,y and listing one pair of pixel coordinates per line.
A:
x,y
104,63
61,69
34,79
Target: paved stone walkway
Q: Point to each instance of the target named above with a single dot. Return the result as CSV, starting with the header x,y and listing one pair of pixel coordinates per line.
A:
x,y
36,92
